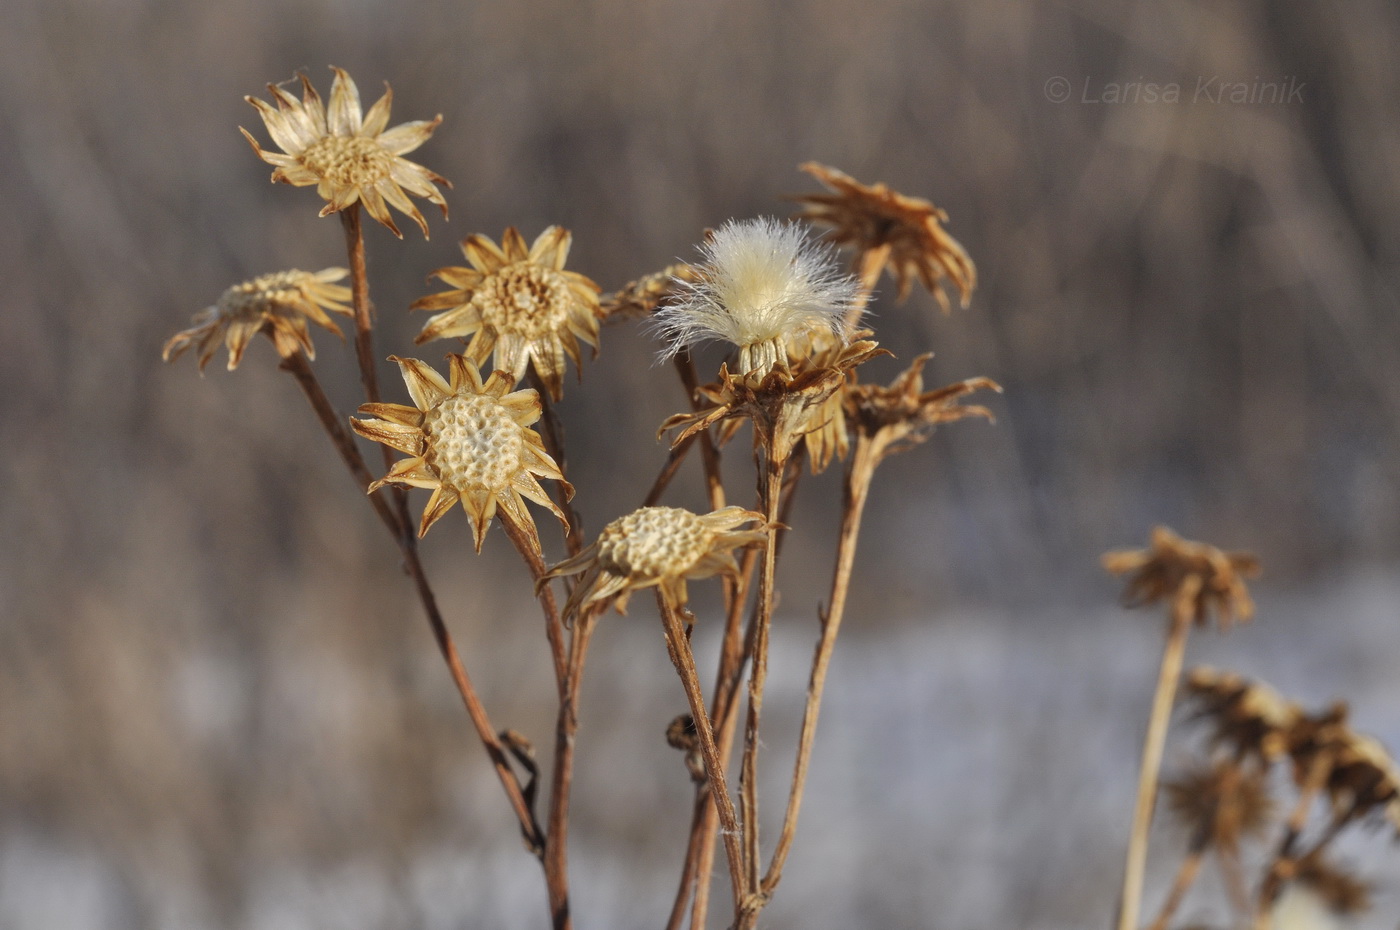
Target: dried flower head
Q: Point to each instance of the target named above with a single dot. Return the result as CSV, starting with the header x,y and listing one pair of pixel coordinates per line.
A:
x,y
1221,803
1248,716
762,285
904,414
785,407
1364,780
468,441
279,304
663,546
1342,892
348,154
641,298
1198,578
518,302
907,231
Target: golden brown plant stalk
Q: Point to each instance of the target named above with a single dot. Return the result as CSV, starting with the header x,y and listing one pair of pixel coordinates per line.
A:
x,y
1196,580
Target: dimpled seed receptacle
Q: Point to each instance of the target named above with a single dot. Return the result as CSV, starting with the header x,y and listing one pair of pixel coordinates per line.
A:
x,y
472,442
654,542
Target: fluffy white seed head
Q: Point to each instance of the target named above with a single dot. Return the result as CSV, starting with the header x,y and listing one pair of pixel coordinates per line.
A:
x,y
762,283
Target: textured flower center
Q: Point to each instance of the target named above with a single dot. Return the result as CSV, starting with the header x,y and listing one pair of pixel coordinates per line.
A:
x,y
348,160
524,298
472,443
653,542
263,295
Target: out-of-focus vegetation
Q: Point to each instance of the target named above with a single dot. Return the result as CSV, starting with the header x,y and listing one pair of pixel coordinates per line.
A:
x,y
206,673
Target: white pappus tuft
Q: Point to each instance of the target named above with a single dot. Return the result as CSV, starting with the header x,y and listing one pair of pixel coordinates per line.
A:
x,y
763,284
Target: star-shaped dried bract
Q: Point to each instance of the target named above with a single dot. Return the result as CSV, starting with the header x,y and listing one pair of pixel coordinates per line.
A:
x,y
1197,578
468,441
641,298
1221,803
1364,781
519,303
904,414
1343,893
872,219
657,546
346,153
1249,717
785,405
278,304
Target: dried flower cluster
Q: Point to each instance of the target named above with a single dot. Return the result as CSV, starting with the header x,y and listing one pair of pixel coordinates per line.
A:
x,y
1198,578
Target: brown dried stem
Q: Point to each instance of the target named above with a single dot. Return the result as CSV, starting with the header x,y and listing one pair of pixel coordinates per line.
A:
x,y
340,436
527,543
552,432
1167,678
1285,858
684,660
857,488
359,290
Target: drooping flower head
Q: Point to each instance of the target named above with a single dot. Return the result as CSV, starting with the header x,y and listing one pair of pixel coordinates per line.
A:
x,y
1195,577
762,285
519,303
346,153
279,304
468,441
657,546
906,232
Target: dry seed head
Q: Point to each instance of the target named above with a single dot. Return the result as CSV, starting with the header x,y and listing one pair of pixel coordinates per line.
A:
x,y
1344,893
763,285
644,296
279,304
1221,802
347,153
653,542
468,441
662,546
473,442
1250,717
871,217
518,303
1196,578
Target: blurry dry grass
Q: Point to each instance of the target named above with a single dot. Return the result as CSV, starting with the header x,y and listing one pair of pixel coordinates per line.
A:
x,y
1192,308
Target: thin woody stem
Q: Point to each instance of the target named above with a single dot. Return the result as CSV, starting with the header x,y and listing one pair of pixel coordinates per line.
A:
x,y
1186,875
758,674
364,343
736,647
1277,873
684,660
857,489
552,432
350,454
1167,678
527,544
870,264
359,290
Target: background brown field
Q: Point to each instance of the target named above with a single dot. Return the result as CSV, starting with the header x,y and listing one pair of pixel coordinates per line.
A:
x,y
217,706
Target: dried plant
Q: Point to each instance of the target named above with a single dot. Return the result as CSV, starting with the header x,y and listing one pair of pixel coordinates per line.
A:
x,y
764,287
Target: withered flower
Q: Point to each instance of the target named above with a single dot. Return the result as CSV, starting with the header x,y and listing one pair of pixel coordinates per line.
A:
x,y
518,302
641,298
1197,578
278,304
1364,780
785,405
1343,893
1248,716
1221,803
907,231
346,153
762,285
663,546
468,441
904,414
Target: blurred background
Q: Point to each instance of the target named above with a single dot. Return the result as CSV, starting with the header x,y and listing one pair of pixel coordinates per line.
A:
x,y
219,704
